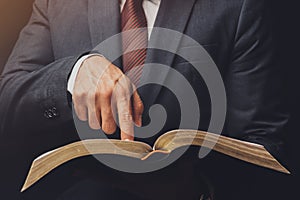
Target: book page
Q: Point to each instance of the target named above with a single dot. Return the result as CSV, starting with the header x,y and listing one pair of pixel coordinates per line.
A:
x,y
246,151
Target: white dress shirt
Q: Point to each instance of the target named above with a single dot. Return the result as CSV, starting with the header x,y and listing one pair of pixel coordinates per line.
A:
x,y
151,8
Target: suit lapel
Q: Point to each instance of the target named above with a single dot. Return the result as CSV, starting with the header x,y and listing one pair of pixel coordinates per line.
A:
x,y
104,19
174,15
104,22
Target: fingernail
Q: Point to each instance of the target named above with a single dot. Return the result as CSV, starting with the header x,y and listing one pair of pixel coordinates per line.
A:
x,y
126,140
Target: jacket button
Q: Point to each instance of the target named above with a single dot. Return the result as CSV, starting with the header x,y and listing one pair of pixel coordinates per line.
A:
x,y
48,114
54,111
51,113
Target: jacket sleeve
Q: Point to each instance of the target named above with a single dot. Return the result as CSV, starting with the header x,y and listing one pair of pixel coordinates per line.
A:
x,y
33,86
254,82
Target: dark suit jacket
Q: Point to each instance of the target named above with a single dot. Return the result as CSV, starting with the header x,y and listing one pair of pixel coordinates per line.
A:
x,y
236,33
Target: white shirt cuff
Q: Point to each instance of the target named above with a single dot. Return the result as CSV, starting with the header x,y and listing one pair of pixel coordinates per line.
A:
x,y
72,78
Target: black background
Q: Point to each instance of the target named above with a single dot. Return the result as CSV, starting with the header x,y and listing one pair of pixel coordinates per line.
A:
x,y
15,13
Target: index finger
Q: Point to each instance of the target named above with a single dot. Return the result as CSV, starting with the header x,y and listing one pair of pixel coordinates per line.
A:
x,y
124,108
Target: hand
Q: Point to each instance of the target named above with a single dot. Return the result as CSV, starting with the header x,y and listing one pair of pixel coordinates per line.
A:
x,y
102,90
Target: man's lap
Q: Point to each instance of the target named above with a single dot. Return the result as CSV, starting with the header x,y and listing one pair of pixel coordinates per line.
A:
x,y
91,190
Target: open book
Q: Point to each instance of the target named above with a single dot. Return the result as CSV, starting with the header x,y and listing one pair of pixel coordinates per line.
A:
x,y
246,151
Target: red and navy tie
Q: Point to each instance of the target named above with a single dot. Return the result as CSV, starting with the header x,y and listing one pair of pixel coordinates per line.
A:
x,y
134,21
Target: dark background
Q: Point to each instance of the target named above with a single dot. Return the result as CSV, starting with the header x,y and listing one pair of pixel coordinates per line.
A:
x,y
15,13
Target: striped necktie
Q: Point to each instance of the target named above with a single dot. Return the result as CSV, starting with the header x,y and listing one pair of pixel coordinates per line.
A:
x,y
134,19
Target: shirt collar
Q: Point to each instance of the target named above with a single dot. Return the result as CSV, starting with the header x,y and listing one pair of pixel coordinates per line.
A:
x,y
153,1
156,2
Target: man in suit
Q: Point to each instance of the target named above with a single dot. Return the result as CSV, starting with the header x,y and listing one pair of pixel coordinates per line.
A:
x,y
53,66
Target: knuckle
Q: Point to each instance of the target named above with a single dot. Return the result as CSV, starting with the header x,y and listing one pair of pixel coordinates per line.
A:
x,y
122,79
107,111
126,117
128,84
120,91
91,96
79,96
127,80
117,71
